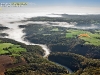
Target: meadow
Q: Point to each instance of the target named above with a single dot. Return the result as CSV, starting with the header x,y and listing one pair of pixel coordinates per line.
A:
x,y
94,38
11,49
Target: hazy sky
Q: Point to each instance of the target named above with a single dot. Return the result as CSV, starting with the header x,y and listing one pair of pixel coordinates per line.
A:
x,y
60,2
54,6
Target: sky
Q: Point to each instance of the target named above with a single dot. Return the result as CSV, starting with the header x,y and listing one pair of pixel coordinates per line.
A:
x,y
60,2
54,6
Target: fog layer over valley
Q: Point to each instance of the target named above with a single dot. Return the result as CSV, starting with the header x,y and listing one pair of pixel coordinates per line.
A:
x,y
12,21
68,21
16,33
56,33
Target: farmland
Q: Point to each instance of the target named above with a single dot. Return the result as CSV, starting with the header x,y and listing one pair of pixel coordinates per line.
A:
x,y
94,38
11,49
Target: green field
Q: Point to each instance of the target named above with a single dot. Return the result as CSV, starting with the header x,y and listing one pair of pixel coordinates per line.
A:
x,y
94,38
11,49
4,45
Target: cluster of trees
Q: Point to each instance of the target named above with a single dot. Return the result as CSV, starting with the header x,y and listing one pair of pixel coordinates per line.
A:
x,y
57,41
89,51
81,20
77,63
37,33
35,63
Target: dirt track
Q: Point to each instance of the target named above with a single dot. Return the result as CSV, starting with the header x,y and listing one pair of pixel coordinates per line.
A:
x,y
4,60
7,62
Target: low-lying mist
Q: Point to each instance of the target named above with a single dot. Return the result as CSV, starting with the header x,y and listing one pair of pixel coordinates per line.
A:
x,y
16,33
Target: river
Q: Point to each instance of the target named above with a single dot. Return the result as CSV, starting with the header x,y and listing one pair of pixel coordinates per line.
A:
x,y
69,70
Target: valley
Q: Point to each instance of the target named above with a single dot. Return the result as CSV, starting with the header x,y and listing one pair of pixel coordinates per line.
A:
x,y
39,43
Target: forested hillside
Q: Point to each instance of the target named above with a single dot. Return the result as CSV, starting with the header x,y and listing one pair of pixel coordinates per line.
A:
x,y
78,63
26,60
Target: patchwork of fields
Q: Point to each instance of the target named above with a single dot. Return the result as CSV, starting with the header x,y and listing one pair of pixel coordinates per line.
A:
x,y
94,38
11,49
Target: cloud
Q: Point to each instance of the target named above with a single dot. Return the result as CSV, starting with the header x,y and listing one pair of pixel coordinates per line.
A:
x,y
53,9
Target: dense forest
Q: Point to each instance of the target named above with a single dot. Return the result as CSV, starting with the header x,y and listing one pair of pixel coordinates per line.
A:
x,y
78,63
56,39
80,20
33,62
30,62
79,54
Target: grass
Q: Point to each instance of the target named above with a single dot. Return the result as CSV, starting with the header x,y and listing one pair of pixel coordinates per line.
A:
x,y
16,49
4,45
11,49
94,38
